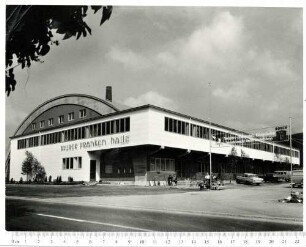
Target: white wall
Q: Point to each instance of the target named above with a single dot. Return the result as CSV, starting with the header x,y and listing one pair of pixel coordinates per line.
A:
x,y
51,155
159,136
146,127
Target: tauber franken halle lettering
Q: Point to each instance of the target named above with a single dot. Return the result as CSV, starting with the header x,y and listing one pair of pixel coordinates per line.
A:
x,y
96,143
120,140
69,147
92,144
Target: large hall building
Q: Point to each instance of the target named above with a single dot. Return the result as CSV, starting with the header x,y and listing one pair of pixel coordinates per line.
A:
x,y
91,139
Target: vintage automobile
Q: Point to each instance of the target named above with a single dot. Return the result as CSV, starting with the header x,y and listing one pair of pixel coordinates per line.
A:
x,y
297,178
272,177
249,178
286,175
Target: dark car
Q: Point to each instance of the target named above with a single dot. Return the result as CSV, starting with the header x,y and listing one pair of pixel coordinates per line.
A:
x,y
272,177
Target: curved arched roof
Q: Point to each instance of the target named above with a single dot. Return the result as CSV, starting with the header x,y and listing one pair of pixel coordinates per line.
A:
x,y
98,105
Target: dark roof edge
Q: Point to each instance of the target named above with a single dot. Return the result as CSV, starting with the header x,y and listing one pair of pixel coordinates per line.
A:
x,y
64,96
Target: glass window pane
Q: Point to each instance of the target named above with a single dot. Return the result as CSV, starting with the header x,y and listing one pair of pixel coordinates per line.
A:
x,y
168,167
127,124
163,165
157,163
152,164
80,162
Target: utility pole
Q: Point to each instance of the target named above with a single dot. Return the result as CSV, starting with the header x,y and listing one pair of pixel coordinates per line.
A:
x,y
210,161
290,136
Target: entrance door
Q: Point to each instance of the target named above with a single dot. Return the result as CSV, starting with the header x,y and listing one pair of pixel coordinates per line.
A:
x,y
92,170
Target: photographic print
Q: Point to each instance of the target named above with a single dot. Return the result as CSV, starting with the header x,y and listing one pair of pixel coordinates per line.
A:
x,y
153,118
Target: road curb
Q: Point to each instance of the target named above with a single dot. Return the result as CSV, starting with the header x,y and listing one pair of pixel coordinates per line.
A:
x,y
265,218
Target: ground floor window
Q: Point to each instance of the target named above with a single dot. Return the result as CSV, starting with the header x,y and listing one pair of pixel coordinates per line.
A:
x,y
72,163
162,164
108,169
117,165
118,168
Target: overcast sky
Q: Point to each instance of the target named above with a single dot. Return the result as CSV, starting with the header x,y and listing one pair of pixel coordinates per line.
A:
x,y
166,56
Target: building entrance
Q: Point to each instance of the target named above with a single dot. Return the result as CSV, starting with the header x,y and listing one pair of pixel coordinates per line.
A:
x,y
92,170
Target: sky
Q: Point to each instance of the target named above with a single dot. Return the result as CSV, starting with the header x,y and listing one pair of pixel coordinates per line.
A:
x,y
167,56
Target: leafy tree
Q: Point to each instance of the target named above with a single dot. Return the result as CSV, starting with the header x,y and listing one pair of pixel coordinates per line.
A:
x,y
39,172
29,32
32,168
27,165
233,159
244,154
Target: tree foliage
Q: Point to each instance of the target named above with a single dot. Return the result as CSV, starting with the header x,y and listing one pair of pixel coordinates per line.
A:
x,y
27,165
32,168
29,32
39,172
233,159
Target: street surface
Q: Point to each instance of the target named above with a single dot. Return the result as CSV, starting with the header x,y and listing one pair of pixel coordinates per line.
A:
x,y
36,216
130,208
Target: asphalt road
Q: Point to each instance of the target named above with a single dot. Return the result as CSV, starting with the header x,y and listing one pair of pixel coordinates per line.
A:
x,y
37,216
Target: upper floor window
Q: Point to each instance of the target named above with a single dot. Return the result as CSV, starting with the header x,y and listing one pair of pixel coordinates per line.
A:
x,y
42,124
70,116
33,126
50,121
176,126
82,113
61,119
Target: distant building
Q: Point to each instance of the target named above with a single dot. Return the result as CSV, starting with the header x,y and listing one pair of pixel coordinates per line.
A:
x,y
88,138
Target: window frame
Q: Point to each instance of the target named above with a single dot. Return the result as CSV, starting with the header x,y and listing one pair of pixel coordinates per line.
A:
x,y
61,119
71,116
82,113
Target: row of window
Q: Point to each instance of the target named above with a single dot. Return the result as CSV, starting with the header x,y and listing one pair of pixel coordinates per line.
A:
x,y
162,164
176,126
29,142
184,128
72,163
60,119
101,129
110,169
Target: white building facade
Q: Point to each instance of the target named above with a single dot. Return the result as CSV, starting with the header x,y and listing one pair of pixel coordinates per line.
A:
x,y
90,139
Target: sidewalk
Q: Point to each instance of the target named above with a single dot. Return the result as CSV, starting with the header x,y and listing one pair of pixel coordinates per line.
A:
x,y
248,202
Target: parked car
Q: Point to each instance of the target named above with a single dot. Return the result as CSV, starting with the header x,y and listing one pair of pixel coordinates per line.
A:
x,y
284,174
272,177
297,178
249,178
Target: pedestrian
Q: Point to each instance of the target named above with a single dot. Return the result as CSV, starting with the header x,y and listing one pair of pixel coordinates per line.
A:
x,y
170,180
175,179
207,181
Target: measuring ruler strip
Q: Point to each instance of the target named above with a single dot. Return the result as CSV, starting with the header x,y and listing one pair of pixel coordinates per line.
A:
x,y
93,239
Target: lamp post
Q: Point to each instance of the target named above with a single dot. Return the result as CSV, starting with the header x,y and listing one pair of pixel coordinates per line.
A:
x,y
290,136
210,160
